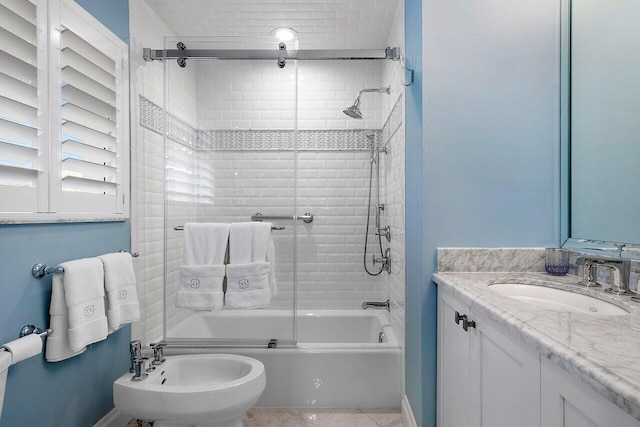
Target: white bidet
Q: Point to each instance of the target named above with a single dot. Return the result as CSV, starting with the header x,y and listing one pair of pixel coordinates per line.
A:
x,y
207,390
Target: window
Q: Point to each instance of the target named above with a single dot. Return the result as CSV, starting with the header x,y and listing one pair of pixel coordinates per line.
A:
x,y
63,115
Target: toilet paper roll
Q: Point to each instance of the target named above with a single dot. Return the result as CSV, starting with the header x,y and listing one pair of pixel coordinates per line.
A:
x,y
24,348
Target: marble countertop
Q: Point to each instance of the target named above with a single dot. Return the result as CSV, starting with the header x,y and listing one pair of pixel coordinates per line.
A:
x,y
601,351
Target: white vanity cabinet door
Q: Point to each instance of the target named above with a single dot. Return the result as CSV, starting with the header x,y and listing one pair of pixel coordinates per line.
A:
x,y
453,364
505,379
567,403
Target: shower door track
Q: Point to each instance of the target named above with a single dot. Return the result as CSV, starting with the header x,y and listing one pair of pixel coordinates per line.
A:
x,y
392,53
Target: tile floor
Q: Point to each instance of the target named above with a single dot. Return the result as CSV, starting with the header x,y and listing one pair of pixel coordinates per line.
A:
x,y
288,417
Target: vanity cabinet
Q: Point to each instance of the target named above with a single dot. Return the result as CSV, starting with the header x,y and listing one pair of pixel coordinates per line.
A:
x,y
484,378
567,403
488,379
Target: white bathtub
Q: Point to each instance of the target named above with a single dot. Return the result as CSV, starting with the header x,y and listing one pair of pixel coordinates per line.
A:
x,y
337,362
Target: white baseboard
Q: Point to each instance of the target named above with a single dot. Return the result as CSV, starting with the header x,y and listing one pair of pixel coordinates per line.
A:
x,y
407,414
113,419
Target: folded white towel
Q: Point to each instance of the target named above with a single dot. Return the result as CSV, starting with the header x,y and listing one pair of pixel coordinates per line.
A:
x,y
201,287
205,243
248,285
84,294
202,272
248,242
253,242
77,309
252,299
120,285
57,347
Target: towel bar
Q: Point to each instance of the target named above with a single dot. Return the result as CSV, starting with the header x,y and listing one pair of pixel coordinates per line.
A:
x,y
273,227
40,270
306,218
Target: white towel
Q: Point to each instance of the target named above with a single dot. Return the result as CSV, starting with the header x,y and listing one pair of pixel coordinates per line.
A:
x,y
77,309
205,243
248,242
202,271
250,273
120,286
253,241
248,285
201,287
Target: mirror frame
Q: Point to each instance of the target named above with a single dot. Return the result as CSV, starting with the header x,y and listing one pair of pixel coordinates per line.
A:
x,y
600,247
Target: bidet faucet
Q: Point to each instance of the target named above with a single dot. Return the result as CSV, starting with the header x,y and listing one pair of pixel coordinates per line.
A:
x,y
158,353
620,270
135,352
140,370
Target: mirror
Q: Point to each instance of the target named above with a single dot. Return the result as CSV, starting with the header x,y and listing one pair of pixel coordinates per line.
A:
x,y
604,124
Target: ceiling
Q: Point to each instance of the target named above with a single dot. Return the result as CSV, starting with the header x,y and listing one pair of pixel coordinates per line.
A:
x,y
326,24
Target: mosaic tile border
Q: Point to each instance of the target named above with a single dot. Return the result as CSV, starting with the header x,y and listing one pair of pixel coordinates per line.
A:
x,y
267,140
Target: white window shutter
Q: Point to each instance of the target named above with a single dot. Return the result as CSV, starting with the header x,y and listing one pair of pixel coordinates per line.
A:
x,y
90,164
23,107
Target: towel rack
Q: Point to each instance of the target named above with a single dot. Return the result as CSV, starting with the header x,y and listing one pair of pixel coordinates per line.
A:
x,y
306,218
273,227
40,270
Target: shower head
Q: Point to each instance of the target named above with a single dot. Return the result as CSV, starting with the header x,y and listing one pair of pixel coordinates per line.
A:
x,y
354,111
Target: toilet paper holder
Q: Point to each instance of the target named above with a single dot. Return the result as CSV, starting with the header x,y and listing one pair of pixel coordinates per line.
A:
x,y
32,329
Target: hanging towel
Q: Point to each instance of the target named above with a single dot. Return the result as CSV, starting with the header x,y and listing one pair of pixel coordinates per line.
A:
x,y
248,285
202,271
120,286
249,273
77,309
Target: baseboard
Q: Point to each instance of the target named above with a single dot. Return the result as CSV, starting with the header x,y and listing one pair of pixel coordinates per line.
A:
x,y
407,414
113,419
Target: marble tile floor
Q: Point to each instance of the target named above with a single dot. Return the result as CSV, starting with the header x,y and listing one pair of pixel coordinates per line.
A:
x,y
310,417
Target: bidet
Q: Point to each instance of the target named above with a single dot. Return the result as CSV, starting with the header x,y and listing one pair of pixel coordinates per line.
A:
x,y
207,390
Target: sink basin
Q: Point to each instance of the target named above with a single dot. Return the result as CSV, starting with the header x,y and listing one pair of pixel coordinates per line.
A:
x,y
557,299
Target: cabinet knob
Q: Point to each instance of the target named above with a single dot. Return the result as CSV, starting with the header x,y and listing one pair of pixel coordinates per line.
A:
x,y
460,317
466,324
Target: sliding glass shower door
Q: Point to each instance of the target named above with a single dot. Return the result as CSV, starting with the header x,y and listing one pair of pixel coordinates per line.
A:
x,y
230,157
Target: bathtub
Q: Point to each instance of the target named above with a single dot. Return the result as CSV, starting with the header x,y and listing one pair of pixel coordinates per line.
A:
x,y
338,361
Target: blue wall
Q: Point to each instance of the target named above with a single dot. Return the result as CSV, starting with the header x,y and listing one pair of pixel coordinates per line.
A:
x,y
487,118
114,14
415,277
76,392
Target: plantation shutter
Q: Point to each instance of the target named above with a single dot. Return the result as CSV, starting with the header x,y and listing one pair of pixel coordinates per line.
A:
x,y
23,100
92,123
180,177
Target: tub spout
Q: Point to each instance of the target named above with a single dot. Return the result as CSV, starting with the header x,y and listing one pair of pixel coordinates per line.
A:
x,y
376,304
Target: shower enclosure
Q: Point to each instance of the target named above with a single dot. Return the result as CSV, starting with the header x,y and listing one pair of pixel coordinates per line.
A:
x,y
243,142
252,131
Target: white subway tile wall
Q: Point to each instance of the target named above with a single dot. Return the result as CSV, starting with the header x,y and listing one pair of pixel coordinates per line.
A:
x,y
231,185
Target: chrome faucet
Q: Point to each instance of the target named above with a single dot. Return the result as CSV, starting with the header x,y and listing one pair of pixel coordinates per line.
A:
x,y
620,270
385,261
158,353
135,352
376,304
